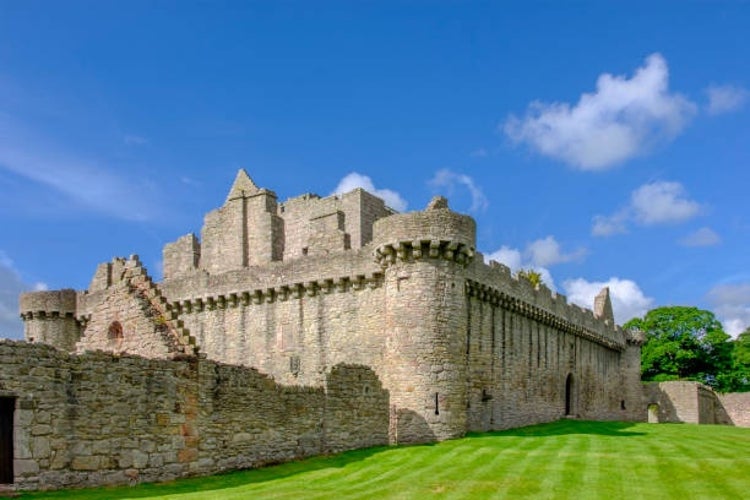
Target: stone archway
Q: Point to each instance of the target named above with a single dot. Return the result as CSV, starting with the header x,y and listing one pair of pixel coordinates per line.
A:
x,y
653,413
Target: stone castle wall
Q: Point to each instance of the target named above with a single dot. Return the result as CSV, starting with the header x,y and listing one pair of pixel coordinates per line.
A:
x,y
296,289
100,418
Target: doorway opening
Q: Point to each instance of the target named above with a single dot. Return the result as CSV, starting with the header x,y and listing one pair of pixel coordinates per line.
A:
x,y
569,395
7,408
653,413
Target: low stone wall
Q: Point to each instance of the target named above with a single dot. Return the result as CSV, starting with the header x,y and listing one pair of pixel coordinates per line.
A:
x,y
736,405
96,418
693,402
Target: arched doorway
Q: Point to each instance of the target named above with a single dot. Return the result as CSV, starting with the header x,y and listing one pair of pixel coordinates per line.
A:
x,y
653,413
569,394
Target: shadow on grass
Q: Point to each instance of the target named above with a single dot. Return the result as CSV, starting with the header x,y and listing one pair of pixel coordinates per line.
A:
x,y
270,473
569,426
230,479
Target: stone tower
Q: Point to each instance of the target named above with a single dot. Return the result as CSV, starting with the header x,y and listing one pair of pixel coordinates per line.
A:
x,y
245,231
50,317
423,255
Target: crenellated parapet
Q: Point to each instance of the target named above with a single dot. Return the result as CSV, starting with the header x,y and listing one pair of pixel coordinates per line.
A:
x,y
435,233
48,304
278,293
388,253
574,322
50,317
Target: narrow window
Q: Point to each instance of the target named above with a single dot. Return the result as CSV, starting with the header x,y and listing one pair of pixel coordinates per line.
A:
x,y
114,334
294,364
437,403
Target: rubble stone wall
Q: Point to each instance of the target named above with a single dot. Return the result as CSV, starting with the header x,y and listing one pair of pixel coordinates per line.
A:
x,y
695,403
99,418
737,407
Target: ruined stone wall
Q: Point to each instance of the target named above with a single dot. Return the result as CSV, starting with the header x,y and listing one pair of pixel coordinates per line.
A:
x,y
736,407
677,401
181,257
131,316
695,403
97,418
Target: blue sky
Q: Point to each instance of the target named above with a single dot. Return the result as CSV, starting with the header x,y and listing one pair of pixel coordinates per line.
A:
x,y
601,143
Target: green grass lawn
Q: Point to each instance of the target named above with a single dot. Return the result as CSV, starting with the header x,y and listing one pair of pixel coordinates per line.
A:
x,y
565,459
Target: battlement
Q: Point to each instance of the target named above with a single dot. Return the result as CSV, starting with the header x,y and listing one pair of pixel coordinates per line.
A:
x,y
436,232
495,283
54,303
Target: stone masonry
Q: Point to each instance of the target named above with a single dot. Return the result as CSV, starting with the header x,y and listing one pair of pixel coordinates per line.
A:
x,y
393,322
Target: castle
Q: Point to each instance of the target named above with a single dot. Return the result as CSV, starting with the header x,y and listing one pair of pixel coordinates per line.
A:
x,y
295,328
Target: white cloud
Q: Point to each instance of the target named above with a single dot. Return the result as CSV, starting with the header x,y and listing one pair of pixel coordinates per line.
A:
x,y
356,180
508,256
538,255
547,252
85,182
479,153
622,119
725,98
628,300
703,237
731,303
447,179
607,225
655,203
11,285
515,261
661,202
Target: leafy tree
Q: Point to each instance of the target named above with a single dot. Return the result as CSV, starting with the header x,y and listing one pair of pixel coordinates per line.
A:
x,y
738,379
686,343
534,277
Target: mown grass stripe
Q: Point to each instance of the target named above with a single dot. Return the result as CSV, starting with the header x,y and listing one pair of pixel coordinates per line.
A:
x,y
567,459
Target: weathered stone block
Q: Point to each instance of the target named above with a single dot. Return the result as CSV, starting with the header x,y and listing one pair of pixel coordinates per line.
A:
x,y
90,462
25,467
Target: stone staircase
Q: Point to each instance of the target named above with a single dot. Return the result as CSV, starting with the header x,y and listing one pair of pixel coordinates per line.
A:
x,y
159,309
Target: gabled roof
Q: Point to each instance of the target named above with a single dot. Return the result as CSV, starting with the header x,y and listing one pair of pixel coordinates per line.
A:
x,y
243,186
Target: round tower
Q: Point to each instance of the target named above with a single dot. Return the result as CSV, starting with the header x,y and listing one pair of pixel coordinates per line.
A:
x,y
50,318
424,255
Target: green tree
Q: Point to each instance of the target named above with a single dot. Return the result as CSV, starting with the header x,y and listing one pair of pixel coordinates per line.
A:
x,y
685,343
738,378
532,276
